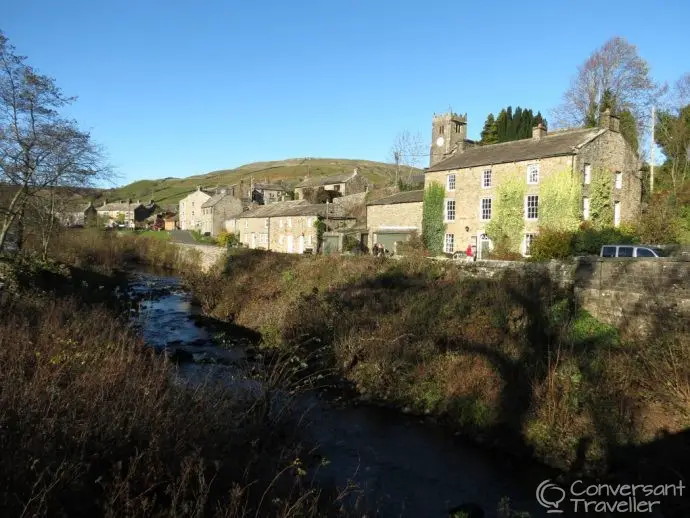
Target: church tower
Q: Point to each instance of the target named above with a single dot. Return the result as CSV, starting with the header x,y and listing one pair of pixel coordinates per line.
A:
x,y
448,136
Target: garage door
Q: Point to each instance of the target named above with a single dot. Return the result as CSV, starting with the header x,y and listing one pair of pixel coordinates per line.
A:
x,y
330,244
387,239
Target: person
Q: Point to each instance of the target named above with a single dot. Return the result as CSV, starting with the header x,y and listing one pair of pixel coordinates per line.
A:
x,y
469,254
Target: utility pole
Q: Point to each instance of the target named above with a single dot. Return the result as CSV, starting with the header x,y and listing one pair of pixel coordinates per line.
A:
x,y
651,155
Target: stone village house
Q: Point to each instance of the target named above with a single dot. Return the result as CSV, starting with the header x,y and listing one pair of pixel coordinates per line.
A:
x,y
189,213
394,218
286,227
77,214
131,214
345,184
471,173
217,209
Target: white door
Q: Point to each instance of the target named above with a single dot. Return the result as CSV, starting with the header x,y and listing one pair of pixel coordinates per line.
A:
x,y
290,247
300,245
253,240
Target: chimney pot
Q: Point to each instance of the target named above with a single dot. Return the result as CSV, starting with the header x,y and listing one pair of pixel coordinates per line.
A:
x,y
538,131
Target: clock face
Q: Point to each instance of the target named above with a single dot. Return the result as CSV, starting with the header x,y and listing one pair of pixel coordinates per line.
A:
x,y
439,141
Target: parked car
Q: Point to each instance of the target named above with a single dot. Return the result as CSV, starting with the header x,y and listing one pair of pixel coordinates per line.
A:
x,y
631,251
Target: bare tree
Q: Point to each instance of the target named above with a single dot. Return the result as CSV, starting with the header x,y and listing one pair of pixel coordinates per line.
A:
x,y
39,149
408,151
614,69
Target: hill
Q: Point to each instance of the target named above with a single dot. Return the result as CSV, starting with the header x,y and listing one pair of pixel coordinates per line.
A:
x,y
169,191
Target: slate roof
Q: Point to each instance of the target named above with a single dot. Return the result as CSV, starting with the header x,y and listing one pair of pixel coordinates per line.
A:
x,y
213,200
555,144
119,206
401,197
325,180
295,208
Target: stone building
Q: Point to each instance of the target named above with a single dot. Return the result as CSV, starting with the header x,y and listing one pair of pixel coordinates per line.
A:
x,y
287,227
78,214
471,174
190,213
217,209
394,218
125,212
345,184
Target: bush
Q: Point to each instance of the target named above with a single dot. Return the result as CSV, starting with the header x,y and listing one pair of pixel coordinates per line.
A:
x,y
589,239
552,244
228,240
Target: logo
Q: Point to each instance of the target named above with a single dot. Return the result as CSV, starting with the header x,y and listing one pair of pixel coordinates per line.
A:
x,y
550,496
605,498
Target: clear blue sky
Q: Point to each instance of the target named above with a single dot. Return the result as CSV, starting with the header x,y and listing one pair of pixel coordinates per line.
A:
x,y
178,87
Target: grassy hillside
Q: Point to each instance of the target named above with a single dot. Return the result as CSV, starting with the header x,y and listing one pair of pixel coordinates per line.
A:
x,y
169,191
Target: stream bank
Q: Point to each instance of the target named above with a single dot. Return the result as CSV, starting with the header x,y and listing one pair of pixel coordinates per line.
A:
x,y
397,465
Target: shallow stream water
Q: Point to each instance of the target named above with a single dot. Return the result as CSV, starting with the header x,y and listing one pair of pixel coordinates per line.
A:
x,y
402,464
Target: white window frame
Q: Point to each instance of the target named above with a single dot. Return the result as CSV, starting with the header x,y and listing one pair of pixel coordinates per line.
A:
x,y
532,168
585,208
246,224
588,174
450,241
289,223
448,182
527,207
280,223
446,211
487,174
616,213
265,222
527,243
619,180
481,209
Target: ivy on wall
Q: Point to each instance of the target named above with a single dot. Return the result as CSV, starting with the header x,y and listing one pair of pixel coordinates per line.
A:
x,y
600,202
507,220
433,227
560,198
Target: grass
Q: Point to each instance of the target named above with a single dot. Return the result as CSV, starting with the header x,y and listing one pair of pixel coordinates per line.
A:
x,y
111,433
509,358
160,235
169,191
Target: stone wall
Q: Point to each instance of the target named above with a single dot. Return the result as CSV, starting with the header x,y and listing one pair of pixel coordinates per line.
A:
x,y
208,254
640,297
351,201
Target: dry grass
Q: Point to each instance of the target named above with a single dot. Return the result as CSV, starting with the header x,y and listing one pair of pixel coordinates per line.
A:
x,y
92,424
489,355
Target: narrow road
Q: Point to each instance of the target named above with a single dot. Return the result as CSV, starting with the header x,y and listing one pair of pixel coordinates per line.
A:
x,y
183,236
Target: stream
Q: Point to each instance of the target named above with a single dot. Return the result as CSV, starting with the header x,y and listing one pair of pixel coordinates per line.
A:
x,y
402,464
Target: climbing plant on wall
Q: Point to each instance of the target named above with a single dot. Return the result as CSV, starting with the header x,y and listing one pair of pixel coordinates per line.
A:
x,y
507,221
433,226
560,196
600,204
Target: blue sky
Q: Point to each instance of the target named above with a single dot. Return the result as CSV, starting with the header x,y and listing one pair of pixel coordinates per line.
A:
x,y
178,88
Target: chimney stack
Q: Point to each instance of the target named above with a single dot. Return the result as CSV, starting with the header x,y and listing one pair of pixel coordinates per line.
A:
x,y
609,121
538,131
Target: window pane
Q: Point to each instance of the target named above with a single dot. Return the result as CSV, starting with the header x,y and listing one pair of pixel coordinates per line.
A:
x,y
609,251
644,252
532,207
450,243
450,210
486,208
625,251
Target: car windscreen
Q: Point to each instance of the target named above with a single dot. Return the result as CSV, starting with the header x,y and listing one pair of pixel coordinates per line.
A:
x,y
645,252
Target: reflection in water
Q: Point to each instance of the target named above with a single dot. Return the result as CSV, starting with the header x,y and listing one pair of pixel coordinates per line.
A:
x,y
403,467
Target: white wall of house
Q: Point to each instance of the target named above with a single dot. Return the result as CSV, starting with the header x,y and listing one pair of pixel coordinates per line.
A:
x,y
190,213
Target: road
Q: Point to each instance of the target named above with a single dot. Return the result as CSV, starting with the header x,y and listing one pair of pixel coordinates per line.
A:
x,y
183,236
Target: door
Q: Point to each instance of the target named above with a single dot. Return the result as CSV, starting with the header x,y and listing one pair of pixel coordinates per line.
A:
x,y
300,245
388,240
290,247
253,240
